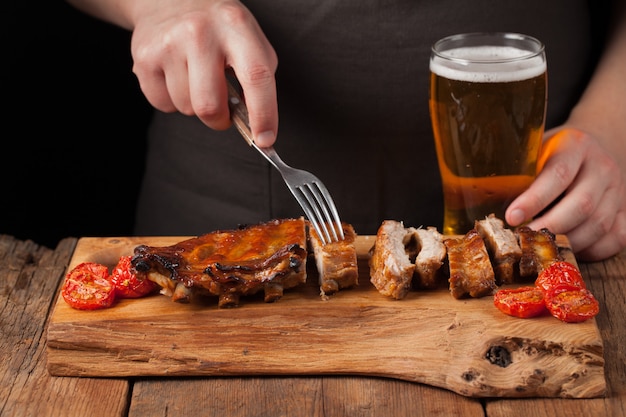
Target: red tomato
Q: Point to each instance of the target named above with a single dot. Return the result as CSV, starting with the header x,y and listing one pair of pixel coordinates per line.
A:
x,y
87,287
572,306
560,273
524,302
126,282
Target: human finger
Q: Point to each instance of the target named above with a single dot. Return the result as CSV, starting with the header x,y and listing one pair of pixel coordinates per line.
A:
x,y
150,74
254,62
589,199
207,84
584,220
601,224
559,168
261,101
160,62
177,84
609,245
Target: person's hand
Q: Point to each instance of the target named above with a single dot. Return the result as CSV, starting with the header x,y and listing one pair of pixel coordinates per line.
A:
x,y
182,49
587,189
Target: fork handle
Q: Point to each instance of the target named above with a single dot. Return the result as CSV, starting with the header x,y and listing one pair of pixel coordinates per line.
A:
x,y
239,114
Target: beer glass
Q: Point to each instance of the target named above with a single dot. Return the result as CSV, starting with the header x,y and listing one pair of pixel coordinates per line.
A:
x,y
488,94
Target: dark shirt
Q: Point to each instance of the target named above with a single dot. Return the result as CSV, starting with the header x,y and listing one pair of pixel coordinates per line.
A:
x,y
352,82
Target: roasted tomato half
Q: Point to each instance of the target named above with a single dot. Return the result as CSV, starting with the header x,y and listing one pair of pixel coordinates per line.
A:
x,y
565,293
126,282
560,273
87,287
524,302
572,306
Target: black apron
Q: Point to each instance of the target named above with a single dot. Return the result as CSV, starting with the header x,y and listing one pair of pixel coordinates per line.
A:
x,y
352,86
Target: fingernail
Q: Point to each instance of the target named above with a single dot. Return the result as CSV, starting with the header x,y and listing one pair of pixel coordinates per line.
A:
x,y
265,139
516,217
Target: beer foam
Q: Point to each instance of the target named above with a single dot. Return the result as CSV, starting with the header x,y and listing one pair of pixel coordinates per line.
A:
x,y
487,64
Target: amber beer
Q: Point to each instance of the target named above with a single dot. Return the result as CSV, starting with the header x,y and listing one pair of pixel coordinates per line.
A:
x,y
488,97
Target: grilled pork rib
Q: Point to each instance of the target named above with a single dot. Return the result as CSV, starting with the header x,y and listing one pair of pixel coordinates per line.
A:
x,y
539,250
471,272
431,253
268,256
502,247
391,270
336,261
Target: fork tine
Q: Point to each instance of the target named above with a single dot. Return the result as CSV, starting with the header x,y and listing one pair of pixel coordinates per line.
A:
x,y
308,210
311,207
335,220
324,200
318,197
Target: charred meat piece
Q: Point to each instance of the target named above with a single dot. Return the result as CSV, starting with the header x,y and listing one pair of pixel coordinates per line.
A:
x,y
431,253
539,250
268,256
391,270
471,272
502,247
336,261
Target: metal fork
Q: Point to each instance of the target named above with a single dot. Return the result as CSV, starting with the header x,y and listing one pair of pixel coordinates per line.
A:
x,y
308,190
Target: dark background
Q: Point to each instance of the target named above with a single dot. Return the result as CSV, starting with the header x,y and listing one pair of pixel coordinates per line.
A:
x,y
74,122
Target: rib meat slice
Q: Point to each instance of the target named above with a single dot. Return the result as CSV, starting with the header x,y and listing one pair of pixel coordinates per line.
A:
x,y
268,256
471,272
336,261
502,247
539,250
431,253
391,270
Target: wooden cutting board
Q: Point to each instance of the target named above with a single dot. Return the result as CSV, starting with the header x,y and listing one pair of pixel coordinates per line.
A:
x,y
466,346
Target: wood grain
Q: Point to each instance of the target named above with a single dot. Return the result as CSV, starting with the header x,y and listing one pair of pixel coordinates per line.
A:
x,y
296,397
466,346
607,281
30,275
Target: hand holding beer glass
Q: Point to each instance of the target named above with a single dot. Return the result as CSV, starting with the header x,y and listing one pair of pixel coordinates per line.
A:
x,y
488,94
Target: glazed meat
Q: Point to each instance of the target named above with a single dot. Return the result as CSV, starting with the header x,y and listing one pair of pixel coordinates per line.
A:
x,y
471,272
431,253
391,270
336,261
502,247
268,256
539,249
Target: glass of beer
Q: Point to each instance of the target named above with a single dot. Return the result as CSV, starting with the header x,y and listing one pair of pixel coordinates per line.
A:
x,y
488,95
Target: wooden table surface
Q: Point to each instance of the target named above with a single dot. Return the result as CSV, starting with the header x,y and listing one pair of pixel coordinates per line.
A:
x,y
31,275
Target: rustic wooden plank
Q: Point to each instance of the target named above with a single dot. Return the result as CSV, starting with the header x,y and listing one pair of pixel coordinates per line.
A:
x,y
226,397
296,397
466,346
542,407
608,283
30,275
386,397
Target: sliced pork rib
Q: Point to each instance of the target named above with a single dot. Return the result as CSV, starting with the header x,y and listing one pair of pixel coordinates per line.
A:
x,y
539,250
471,272
336,262
431,253
391,270
269,256
502,247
